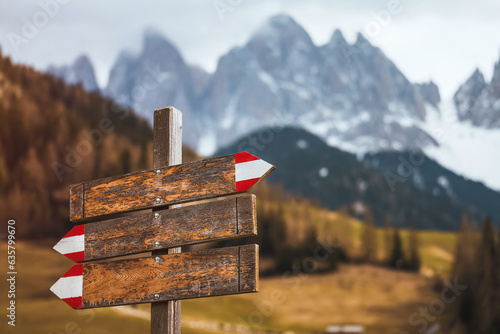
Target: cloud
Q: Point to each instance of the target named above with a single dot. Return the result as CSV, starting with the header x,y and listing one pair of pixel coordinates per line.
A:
x,y
442,40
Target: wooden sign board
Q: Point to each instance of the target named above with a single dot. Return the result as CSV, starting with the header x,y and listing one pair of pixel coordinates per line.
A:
x,y
224,219
166,186
168,275
213,272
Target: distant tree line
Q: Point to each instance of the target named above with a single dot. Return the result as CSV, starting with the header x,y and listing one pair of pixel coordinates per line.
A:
x,y
394,252
53,135
289,232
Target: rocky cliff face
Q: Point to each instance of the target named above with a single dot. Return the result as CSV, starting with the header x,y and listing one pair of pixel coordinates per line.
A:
x,y
156,77
478,101
351,95
80,72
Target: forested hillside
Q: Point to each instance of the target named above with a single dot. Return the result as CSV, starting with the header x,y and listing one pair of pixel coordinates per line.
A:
x,y
54,135
308,167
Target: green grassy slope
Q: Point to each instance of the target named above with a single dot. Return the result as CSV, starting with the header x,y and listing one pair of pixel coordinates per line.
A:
x,y
378,298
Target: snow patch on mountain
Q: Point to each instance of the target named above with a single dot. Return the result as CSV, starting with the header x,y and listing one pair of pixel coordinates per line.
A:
x,y
464,148
349,94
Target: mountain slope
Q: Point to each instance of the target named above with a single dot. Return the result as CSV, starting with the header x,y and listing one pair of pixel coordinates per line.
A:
x,y
351,95
426,174
307,166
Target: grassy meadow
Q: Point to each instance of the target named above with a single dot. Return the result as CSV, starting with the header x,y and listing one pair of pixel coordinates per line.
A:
x,y
381,299
436,248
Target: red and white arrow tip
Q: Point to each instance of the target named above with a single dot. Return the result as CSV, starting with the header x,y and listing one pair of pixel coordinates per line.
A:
x,y
70,287
72,245
249,170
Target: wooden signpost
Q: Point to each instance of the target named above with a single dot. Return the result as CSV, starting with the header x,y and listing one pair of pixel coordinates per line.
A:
x,y
232,217
213,272
166,186
168,275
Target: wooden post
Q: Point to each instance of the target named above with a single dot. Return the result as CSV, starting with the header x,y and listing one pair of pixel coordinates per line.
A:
x,y
167,151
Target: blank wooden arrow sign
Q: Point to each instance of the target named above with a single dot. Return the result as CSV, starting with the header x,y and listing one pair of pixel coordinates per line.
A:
x,y
223,219
205,273
165,186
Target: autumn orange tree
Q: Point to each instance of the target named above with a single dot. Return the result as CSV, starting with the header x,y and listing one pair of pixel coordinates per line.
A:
x,y
53,135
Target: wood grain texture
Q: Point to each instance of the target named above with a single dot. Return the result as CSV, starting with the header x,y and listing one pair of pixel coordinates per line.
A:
x,y
249,268
214,272
224,219
246,209
167,151
167,137
76,197
172,185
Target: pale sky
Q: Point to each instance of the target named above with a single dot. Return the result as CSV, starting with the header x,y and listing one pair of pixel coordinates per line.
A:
x,y
443,41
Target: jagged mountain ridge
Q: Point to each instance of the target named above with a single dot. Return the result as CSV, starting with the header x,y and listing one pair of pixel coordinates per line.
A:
x,y
478,101
348,94
155,78
80,72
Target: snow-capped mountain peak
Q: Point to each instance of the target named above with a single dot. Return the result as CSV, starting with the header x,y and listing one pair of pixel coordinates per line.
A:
x,y
155,42
351,95
478,102
337,38
467,94
495,80
281,40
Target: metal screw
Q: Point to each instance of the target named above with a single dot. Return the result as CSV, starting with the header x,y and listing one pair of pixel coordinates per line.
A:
x,y
157,243
157,259
157,215
157,296
158,199
158,171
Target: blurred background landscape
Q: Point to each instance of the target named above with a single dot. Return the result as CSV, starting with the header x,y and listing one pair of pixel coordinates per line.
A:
x,y
384,208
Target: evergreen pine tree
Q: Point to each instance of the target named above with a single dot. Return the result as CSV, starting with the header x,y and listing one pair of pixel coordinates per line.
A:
x,y
497,286
369,238
143,157
283,253
346,233
125,161
485,281
463,271
263,225
388,236
464,247
277,230
414,260
397,259
310,241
